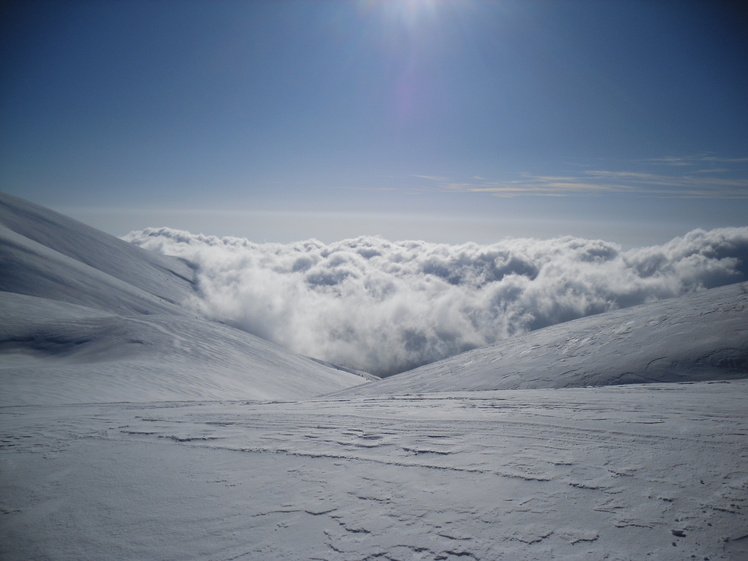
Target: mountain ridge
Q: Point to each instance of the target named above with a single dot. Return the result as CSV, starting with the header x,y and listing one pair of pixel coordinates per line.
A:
x,y
89,317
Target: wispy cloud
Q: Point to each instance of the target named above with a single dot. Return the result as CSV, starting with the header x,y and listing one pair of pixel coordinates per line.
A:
x,y
712,170
729,181
724,160
695,160
362,189
671,161
432,177
528,185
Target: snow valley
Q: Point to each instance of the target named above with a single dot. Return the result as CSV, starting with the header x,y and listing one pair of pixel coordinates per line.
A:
x,y
150,407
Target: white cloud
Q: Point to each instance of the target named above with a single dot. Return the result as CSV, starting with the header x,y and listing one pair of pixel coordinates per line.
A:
x,y
387,306
695,159
682,177
600,182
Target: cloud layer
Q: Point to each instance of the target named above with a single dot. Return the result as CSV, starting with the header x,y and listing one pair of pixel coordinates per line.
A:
x,y
386,307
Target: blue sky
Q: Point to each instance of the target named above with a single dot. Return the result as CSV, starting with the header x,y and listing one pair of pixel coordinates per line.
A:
x,y
444,120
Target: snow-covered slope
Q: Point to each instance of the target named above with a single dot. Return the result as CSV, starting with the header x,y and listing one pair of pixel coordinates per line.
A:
x,y
703,336
46,254
86,317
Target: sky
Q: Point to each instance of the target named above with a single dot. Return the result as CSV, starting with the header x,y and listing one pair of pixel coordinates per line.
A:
x,y
443,120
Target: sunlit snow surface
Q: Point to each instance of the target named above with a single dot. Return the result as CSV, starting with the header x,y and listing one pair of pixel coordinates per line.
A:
x,y
620,473
131,429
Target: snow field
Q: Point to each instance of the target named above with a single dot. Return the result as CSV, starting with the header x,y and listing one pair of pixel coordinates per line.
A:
x,y
629,472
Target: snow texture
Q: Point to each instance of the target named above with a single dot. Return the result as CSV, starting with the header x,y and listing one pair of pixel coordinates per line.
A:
x,y
131,429
620,473
386,307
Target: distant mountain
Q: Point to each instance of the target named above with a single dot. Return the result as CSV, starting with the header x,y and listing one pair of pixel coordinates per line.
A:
x,y
703,336
85,316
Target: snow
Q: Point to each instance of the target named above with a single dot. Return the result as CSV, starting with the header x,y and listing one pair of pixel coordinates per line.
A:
x,y
73,354
629,472
702,336
131,429
45,245
86,317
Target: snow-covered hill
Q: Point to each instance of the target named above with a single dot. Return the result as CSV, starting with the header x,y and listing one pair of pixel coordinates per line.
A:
x,y
703,336
48,255
86,317
131,429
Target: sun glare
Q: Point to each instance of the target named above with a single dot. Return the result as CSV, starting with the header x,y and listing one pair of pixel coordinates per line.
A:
x,y
406,12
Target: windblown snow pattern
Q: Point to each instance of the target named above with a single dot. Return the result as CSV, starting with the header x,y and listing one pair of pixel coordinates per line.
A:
x,y
386,307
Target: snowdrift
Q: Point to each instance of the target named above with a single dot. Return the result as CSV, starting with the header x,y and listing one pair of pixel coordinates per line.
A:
x,y
700,337
86,317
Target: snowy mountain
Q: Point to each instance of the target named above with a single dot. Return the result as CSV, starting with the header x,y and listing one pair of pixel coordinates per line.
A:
x,y
703,336
48,255
131,429
89,317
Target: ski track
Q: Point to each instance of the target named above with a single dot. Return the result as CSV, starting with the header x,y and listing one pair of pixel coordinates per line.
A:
x,y
633,472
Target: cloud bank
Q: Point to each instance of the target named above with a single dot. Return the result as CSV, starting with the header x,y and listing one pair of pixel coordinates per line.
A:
x,y
386,307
